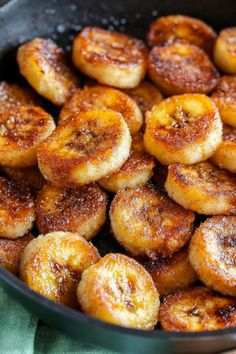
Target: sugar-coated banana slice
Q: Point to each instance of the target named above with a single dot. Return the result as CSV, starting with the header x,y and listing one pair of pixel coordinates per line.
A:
x,y
16,209
197,309
202,188
171,273
45,67
111,58
185,128
81,210
184,29
224,97
212,253
85,148
98,97
225,50
225,155
137,170
119,290
146,95
11,252
52,265
180,68
148,223
22,129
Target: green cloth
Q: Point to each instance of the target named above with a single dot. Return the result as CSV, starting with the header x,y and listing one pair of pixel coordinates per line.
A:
x,y
22,333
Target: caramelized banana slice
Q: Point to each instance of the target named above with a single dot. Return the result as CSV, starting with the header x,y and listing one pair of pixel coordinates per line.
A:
x,y
212,253
11,252
52,265
22,129
119,290
202,188
85,148
136,170
225,50
185,128
16,209
45,67
172,273
180,68
81,210
98,97
30,176
183,29
111,58
224,97
197,309
225,155
147,223
145,95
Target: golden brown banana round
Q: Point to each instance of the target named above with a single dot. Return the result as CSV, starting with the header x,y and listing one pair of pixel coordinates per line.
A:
x,y
22,129
183,29
160,174
147,223
202,188
31,176
224,97
225,50
197,309
99,97
52,265
185,128
145,95
16,209
111,58
172,273
119,290
85,148
181,68
137,170
81,210
225,155
212,253
45,67
11,252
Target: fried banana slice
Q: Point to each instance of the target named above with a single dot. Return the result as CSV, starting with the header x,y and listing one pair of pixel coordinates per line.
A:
x,y
119,290
182,29
22,129
181,68
202,188
185,128
197,309
45,67
16,209
99,97
224,97
148,223
225,50
85,148
225,155
171,273
111,58
212,253
52,265
11,252
137,170
145,95
81,210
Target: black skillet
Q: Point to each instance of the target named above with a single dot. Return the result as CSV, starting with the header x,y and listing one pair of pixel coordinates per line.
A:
x,y
21,20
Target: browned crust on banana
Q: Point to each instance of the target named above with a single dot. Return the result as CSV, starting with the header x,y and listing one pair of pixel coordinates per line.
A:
x,y
180,68
11,252
184,29
211,310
